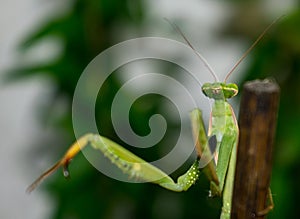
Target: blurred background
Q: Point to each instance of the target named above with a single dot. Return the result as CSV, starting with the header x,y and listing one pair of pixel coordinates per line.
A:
x,y
45,45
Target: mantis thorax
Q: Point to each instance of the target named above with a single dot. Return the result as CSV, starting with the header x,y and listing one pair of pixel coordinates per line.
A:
x,y
219,91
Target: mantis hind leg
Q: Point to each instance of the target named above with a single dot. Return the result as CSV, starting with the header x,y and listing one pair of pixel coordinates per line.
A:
x,y
136,167
142,170
63,162
269,207
128,162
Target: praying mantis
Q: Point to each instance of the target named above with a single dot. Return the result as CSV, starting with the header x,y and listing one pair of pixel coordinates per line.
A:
x,y
217,149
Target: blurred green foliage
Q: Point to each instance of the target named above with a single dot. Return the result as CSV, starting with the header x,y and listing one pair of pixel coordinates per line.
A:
x,y
88,28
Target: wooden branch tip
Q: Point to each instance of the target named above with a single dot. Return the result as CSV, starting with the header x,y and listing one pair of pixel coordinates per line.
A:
x,y
257,123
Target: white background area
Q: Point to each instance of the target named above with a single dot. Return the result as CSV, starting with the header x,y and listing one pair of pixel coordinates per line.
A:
x,y
19,126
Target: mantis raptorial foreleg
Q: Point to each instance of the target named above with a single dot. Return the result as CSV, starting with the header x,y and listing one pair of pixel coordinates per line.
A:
x,y
228,189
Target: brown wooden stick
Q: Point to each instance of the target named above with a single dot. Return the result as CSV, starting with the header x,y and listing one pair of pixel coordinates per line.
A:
x,y
257,123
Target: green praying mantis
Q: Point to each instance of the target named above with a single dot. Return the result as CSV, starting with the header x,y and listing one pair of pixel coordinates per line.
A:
x,y
222,135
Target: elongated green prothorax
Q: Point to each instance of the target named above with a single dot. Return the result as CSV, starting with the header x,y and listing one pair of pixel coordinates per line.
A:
x,y
219,91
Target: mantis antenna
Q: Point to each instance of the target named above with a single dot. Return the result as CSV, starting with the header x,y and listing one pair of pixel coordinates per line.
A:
x,y
251,47
195,51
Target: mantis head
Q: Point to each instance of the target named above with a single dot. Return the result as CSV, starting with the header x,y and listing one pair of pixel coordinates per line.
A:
x,y
219,91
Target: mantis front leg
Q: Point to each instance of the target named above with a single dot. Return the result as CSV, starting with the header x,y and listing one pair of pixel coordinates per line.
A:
x,y
228,189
